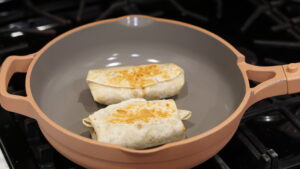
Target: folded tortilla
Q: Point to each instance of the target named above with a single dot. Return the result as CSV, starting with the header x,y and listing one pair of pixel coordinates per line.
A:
x,y
154,81
138,124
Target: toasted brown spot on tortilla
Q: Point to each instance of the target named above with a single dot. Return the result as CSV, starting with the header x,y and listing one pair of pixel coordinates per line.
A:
x,y
137,77
135,93
166,76
139,112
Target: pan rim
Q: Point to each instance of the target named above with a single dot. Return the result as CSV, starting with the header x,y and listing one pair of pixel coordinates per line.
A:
x,y
233,116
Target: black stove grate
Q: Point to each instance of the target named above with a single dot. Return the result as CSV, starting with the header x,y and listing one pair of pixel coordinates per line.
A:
x,y
266,31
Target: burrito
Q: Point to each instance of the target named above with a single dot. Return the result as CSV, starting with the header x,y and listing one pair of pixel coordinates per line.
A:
x,y
154,81
138,124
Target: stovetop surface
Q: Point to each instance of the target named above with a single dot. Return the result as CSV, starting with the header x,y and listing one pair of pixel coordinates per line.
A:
x,y
266,31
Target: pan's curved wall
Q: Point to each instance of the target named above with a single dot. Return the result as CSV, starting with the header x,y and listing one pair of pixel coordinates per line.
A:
x,y
214,85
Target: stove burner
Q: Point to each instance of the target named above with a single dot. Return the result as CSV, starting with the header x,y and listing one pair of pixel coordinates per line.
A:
x,y
267,32
290,131
270,117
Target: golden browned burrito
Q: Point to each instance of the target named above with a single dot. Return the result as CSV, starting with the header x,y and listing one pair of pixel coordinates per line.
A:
x,y
138,124
154,81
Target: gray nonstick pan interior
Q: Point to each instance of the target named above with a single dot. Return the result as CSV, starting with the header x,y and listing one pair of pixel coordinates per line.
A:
x,y
213,89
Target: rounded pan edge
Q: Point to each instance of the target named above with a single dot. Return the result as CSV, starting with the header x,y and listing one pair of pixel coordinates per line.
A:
x,y
43,118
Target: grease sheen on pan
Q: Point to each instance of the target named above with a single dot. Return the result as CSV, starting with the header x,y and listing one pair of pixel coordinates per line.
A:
x,y
154,81
138,124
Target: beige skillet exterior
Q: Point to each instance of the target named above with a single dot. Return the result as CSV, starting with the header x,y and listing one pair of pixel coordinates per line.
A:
x,y
181,154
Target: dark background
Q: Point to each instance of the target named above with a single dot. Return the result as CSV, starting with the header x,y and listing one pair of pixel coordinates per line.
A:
x,y
265,31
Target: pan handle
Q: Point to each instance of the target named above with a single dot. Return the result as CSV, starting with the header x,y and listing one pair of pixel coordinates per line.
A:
x,y
273,81
292,73
10,102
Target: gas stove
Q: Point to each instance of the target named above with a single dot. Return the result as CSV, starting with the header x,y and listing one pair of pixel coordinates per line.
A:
x,y
267,32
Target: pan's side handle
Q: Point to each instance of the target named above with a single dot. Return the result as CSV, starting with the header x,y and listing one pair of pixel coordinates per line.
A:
x,y
272,81
10,102
292,73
